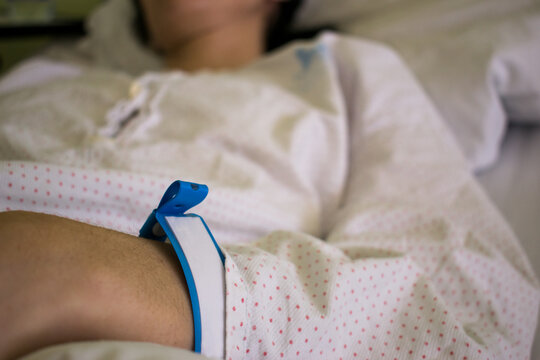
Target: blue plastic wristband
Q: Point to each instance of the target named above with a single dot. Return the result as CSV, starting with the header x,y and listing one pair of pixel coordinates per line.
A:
x,y
179,198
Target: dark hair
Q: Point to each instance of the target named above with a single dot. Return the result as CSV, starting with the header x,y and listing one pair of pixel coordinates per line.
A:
x,y
279,32
139,23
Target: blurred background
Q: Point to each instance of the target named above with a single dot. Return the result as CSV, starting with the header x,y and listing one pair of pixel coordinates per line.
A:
x,y
27,26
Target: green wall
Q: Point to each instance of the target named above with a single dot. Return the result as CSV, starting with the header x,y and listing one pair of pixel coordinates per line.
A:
x,y
13,50
74,8
70,8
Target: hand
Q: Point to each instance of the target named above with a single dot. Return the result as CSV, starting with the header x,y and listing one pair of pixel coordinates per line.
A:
x,y
66,281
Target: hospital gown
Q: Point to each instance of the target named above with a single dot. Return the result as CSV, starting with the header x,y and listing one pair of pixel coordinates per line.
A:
x,y
351,225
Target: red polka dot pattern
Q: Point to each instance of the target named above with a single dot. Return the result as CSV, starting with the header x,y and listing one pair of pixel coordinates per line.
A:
x,y
411,261
122,200
111,199
295,295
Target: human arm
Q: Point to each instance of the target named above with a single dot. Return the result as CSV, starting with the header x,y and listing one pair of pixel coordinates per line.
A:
x,y
65,281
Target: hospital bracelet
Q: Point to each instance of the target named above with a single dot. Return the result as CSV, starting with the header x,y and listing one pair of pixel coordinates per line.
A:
x,y
200,257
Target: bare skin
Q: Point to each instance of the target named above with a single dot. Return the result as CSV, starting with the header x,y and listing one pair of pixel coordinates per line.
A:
x,y
66,281
195,35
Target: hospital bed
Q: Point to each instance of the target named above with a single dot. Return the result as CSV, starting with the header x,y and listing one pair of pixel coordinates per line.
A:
x,y
477,60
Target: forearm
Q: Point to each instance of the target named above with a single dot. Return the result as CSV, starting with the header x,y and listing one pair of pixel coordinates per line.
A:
x,y
68,281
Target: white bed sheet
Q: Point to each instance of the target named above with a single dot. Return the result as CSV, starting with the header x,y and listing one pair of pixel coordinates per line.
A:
x,y
514,186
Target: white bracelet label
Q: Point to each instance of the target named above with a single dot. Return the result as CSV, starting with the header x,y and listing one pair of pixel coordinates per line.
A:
x,y
201,260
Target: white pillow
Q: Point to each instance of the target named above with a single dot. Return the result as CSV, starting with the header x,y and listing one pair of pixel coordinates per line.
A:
x,y
314,13
477,59
518,80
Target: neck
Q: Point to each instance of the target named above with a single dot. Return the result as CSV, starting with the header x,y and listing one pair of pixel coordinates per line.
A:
x,y
229,46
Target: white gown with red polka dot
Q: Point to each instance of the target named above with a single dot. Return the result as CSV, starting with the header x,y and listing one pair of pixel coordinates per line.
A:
x,y
351,224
